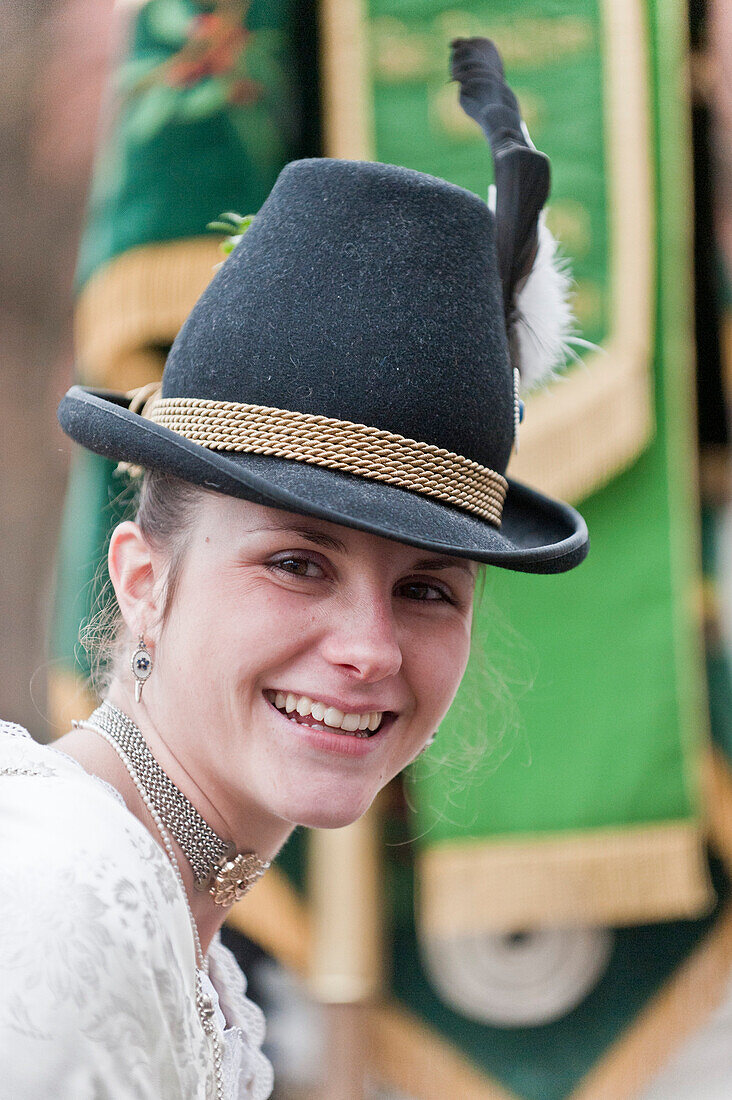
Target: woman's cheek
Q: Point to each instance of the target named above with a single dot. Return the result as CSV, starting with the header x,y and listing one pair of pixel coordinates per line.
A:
x,y
448,669
443,653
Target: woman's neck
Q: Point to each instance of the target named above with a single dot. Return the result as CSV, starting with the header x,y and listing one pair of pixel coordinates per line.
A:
x,y
99,758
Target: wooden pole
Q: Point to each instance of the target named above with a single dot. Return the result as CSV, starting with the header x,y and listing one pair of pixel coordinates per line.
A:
x,y
347,116
345,973
344,863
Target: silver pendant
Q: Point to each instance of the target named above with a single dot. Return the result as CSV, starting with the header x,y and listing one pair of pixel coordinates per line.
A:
x,y
141,665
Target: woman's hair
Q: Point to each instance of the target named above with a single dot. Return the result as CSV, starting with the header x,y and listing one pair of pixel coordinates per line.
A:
x,y
486,711
164,506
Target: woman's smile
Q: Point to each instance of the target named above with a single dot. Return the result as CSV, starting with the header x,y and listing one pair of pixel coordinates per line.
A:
x,y
321,736
339,717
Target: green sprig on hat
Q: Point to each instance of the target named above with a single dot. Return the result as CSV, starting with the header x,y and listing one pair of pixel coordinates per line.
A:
x,y
235,225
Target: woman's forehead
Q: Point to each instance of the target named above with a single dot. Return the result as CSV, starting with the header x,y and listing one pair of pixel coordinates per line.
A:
x,y
246,519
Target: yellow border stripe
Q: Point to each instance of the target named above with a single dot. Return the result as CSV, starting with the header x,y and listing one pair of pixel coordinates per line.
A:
x,y
604,877
135,305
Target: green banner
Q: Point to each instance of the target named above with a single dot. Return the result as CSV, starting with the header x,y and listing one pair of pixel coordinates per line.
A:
x,y
547,50
570,756
204,111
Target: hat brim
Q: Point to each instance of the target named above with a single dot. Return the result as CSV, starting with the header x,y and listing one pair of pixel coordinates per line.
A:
x,y
537,534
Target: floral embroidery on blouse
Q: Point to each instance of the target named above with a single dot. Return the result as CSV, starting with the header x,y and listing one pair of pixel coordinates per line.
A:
x,y
98,991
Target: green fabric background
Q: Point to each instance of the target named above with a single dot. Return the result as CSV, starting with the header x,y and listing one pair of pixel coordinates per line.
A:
x,y
584,689
175,158
608,671
552,56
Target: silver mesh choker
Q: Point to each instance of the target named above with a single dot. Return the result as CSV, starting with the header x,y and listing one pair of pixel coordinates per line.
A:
x,y
217,867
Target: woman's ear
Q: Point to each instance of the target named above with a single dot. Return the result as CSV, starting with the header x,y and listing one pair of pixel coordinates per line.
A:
x,y
132,570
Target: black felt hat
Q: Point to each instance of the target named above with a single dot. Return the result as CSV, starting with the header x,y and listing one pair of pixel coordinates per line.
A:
x,y
350,361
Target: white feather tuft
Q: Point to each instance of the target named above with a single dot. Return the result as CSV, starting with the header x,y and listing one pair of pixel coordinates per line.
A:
x,y
542,323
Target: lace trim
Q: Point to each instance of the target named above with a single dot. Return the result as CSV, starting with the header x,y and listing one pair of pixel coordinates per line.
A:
x,y
247,1070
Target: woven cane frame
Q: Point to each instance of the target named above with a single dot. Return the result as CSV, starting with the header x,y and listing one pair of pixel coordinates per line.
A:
x,y
337,444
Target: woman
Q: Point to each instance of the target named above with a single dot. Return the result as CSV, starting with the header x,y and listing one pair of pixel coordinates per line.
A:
x,y
325,476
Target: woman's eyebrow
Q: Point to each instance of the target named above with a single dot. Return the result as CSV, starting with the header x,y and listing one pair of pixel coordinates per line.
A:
x,y
445,563
330,542
318,537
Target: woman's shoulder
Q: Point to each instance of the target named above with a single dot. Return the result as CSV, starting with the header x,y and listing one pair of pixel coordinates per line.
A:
x,y
22,756
68,838
70,831
49,801
97,948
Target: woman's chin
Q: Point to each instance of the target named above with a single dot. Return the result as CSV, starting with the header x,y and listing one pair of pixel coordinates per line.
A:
x,y
329,816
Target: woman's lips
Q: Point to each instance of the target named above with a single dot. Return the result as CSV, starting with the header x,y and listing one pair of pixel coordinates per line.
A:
x,y
331,739
357,720
322,715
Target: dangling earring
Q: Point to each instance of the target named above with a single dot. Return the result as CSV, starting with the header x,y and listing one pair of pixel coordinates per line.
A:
x,y
142,666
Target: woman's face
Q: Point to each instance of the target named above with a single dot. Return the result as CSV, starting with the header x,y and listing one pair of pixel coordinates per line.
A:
x,y
281,627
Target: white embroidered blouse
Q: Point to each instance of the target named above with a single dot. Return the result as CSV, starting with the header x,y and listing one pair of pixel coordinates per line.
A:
x,y
97,961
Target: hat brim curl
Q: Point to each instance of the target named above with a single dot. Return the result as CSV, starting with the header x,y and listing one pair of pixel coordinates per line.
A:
x,y
537,534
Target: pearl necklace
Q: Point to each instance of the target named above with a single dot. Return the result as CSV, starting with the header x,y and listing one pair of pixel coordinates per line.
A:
x,y
204,1004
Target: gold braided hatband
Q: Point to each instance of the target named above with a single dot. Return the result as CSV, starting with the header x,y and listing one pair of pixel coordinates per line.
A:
x,y
339,445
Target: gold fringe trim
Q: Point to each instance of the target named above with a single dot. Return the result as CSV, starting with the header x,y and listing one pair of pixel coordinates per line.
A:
x,y
632,875
134,306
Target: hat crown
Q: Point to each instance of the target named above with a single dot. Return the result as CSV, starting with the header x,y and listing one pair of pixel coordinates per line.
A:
x,y
363,292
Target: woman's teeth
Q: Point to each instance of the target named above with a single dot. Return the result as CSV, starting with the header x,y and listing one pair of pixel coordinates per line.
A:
x,y
357,725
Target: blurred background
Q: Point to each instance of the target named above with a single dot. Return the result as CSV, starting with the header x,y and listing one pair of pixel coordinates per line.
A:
x,y
539,911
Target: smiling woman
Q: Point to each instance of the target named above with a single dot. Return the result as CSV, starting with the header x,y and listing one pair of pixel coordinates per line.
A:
x,y
306,634
325,474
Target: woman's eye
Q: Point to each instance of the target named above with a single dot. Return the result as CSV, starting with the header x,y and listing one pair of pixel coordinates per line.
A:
x,y
420,590
298,567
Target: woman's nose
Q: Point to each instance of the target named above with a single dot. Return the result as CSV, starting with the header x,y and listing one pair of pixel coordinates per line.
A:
x,y
363,639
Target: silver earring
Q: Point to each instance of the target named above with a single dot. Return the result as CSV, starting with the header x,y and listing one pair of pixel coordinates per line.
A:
x,y
142,665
